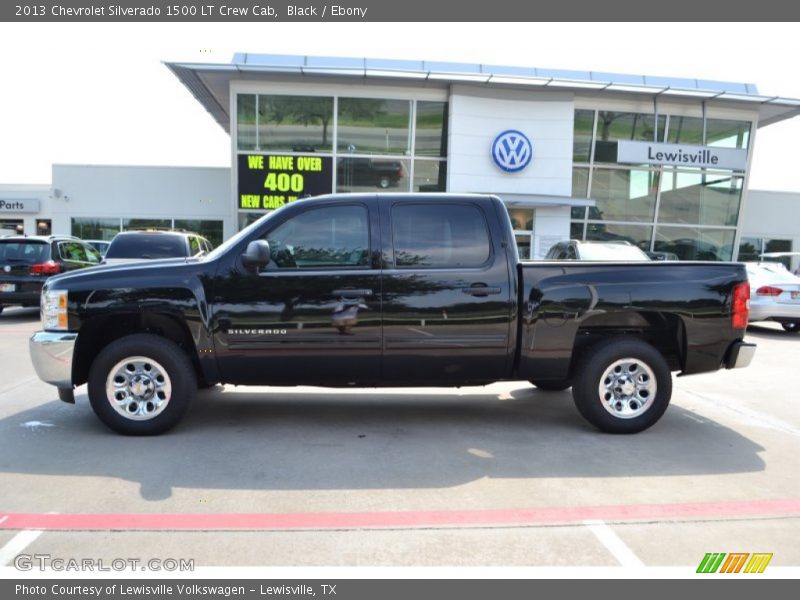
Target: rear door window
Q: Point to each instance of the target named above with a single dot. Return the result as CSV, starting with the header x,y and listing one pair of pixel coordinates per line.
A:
x,y
439,236
74,251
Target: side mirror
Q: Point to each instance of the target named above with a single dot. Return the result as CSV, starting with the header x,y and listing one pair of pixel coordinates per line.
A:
x,y
257,254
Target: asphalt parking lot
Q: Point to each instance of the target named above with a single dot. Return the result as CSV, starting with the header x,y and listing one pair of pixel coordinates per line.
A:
x,y
503,475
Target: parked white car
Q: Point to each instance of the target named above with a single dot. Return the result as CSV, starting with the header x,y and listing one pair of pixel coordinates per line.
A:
x,y
596,250
774,294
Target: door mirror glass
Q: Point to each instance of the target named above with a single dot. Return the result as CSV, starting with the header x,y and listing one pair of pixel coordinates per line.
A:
x,y
257,254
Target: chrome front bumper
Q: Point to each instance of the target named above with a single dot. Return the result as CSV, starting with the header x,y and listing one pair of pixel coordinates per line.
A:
x,y
51,353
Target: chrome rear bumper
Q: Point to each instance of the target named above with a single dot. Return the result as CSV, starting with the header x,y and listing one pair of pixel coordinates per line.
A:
x,y
740,354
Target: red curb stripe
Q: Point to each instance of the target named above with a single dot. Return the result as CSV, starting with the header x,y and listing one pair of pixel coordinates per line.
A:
x,y
398,519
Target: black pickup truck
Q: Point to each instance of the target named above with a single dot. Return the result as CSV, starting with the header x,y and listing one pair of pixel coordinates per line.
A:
x,y
387,290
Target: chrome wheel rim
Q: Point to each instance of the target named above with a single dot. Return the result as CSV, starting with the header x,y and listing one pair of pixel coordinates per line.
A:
x,y
138,388
627,388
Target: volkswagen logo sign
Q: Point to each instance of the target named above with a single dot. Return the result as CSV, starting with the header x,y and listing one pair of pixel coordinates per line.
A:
x,y
512,151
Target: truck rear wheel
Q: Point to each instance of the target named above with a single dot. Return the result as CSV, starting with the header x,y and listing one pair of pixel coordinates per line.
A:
x,y
141,384
791,326
622,386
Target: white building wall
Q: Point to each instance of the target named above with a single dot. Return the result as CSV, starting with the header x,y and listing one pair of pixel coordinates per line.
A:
x,y
770,214
140,192
478,115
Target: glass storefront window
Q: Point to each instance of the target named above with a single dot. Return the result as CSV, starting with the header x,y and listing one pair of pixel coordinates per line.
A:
x,y
430,176
582,137
521,219
727,133
431,134
685,130
246,121
750,249
211,230
580,182
694,243
249,217
700,198
576,230
523,246
95,229
614,126
295,123
146,224
374,126
578,212
638,235
624,195
367,174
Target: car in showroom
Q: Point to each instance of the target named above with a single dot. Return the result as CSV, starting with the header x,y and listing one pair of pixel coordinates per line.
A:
x,y
138,245
27,261
595,250
774,294
369,172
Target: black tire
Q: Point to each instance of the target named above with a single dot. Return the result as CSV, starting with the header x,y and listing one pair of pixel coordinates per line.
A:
x,y
384,182
791,326
552,385
1,309
138,360
635,399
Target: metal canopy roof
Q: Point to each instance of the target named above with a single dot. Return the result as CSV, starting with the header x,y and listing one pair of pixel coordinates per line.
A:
x,y
209,83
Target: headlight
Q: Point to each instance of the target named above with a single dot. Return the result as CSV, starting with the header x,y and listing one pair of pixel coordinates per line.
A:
x,y
54,310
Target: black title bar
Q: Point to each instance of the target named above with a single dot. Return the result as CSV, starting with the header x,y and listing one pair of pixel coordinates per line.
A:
x,y
269,11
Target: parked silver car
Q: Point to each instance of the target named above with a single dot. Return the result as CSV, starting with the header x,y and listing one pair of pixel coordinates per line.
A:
x,y
774,294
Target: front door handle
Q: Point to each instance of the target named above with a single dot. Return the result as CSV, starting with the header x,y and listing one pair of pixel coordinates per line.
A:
x,y
351,293
481,289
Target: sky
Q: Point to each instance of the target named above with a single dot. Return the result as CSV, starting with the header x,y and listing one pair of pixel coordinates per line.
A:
x,y
98,93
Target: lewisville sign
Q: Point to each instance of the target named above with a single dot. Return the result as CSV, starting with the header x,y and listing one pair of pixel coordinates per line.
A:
x,y
681,155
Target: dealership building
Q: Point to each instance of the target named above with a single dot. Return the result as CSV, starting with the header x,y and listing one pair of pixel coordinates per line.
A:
x,y
660,162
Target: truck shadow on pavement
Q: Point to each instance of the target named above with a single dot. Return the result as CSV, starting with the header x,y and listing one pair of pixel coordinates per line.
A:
x,y
769,331
344,440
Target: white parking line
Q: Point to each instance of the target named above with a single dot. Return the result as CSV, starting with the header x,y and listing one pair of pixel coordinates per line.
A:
x,y
613,544
17,544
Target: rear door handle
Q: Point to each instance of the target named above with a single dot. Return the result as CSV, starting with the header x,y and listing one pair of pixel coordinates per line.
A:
x,y
352,293
480,289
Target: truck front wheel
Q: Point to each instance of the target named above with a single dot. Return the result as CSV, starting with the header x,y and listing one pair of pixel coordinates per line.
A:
x,y
622,386
141,384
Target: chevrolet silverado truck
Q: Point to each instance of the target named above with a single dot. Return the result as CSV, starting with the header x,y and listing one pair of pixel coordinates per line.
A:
x,y
387,290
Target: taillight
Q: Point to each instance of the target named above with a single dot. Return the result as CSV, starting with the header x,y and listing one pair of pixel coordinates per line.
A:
x,y
741,305
769,290
46,268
